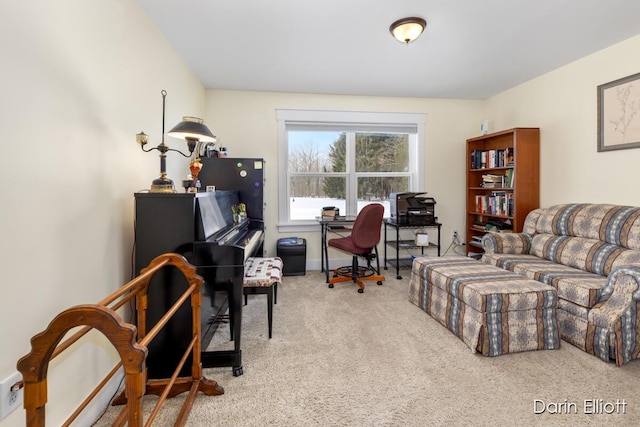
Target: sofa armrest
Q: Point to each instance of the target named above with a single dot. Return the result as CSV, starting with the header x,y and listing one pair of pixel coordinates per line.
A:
x,y
621,291
506,243
616,313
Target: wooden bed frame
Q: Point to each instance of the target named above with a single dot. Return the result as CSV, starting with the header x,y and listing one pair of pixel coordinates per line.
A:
x,y
131,344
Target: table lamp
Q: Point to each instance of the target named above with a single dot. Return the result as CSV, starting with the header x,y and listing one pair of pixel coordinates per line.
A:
x,y
192,129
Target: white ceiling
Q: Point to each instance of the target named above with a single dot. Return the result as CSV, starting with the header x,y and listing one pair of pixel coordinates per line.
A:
x,y
471,49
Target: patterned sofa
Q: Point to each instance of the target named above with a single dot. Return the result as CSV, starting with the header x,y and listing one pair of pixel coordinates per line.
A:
x,y
590,253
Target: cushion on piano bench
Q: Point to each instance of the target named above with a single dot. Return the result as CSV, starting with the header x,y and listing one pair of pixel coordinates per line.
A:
x,y
262,271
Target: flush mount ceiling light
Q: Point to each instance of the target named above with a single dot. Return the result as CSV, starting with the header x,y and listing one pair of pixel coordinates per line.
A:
x,y
406,30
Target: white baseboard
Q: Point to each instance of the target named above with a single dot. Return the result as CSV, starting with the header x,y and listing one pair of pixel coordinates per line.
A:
x,y
101,401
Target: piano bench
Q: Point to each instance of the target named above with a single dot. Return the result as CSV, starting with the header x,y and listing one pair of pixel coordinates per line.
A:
x,y
261,276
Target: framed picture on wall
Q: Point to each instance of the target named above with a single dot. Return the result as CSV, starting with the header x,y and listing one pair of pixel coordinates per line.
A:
x,y
619,114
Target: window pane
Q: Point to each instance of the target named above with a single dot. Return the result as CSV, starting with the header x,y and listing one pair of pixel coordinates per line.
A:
x,y
317,151
378,188
385,203
382,152
308,195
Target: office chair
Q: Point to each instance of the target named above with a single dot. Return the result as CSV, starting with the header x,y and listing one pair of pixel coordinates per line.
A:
x,y
362,242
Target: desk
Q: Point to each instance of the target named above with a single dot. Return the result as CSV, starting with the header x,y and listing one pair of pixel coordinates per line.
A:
x,y
333,225
399,244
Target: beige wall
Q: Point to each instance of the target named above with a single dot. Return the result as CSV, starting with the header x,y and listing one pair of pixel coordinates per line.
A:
x,y
78,80
563,104
246,124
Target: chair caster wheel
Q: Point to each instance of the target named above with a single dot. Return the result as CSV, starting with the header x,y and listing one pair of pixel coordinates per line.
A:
x,y
237,371
379,283
360,291
331,285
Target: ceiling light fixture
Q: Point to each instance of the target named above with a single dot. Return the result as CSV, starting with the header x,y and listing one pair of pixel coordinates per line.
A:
x,y
406,30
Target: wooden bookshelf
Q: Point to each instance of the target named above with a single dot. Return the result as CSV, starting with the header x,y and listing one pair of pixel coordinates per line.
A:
x,y
503,181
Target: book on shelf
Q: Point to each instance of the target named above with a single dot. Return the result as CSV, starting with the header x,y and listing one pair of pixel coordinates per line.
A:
x,y
492,178
329,213
509,178
493,224
496,203
489,159
494,181
491,185
479,228
499,225
508,156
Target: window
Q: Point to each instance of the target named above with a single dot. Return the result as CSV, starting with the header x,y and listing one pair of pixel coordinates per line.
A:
x,y
346,160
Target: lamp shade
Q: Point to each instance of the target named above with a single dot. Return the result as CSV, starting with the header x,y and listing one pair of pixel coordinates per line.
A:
x,y
192,128
406,30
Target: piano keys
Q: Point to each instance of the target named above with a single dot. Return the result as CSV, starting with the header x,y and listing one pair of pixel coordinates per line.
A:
x,y
199,226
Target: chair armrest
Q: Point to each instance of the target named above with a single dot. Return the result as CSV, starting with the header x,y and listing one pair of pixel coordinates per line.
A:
x,y
506,243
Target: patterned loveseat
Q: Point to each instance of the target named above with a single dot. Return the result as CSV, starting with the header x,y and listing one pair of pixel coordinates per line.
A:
x,y
591,254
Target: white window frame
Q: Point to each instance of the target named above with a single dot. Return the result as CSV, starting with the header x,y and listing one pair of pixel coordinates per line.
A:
x,y
358,120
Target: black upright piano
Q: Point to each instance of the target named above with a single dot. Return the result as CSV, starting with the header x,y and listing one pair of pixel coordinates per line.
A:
x,y
201,227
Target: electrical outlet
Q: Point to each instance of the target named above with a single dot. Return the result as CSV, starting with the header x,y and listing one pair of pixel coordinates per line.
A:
x,y
11,399
455,238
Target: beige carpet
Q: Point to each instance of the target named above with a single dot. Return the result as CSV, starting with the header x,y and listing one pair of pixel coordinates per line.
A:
x,y
339,358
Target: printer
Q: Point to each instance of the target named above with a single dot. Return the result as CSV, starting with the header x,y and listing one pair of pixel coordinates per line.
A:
x,y
412,208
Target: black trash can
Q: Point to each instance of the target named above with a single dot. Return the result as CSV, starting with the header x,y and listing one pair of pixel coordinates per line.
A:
x,y
293,251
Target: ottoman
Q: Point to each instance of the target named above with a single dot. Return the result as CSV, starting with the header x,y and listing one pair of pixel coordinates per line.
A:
x,y
493,311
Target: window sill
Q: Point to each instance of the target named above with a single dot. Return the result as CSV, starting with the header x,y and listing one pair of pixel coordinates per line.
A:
x,y
299,227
